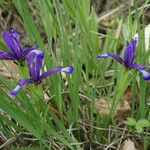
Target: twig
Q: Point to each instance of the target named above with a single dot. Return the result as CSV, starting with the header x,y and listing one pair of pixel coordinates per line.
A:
x,y
110,145
111,14
121,138
9,141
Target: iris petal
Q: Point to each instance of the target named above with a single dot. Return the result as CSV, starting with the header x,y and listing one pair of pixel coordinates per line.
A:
x,y
6,56
146,75
27,50
103,56
12,43
68,69
37,52
35,60
11,39
127,43
137,66
15,90
20,84
31,65
14,33
116,57
39,63
49,72
129,52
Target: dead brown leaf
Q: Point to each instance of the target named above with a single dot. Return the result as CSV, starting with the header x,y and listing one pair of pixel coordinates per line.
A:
x,y
8,69
103,106
122,111
127,94
128,145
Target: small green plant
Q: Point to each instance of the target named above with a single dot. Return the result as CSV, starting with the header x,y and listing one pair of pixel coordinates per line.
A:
x,y
139,125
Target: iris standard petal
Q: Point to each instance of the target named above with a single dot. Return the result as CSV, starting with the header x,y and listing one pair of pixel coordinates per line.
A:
x,y
39,63
137,66
68,69
35,60
31,65
27,50
14,33
129,52
146,75
127,43
20,84
36,52
12,44
6,56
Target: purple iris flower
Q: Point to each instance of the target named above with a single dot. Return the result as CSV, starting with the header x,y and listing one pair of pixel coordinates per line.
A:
x,y
128,60
35,61
15,52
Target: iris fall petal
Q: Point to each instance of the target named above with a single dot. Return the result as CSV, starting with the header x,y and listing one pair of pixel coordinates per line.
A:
x,y
146,75
20,84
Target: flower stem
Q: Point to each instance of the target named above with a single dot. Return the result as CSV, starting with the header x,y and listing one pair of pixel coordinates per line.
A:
x,y
121,87
36,94
23,71
122,84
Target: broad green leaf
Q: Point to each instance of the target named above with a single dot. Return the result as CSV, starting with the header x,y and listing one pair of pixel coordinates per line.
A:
x,y
138,128
130,121
144,123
